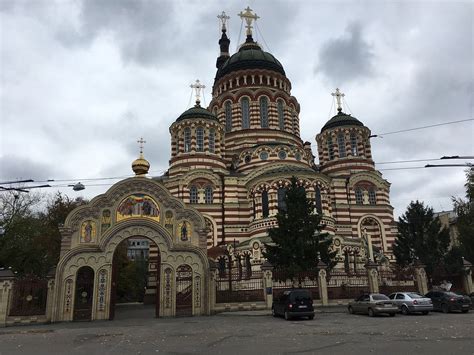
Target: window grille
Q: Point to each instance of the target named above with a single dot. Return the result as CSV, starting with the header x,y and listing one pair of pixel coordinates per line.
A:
x,y
330,149
359,196
212,140
265,204
208,194
372,197
228,116
281,115
341,145
193,194
200,139
264,112
354,144
245,105
187,139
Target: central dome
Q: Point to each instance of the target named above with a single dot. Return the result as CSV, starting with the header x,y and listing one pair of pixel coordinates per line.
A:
x,y
250,56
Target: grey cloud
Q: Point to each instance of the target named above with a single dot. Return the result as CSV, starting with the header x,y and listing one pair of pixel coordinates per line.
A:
x,y
346,58
20,168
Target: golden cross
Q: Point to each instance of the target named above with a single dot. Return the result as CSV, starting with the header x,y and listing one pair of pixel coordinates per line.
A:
x,y
197,87
141,142
223,17
249,16
338,95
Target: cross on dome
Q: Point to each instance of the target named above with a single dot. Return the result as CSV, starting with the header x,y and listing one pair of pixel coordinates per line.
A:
x,y
141,142
248,16
338,95
223,17
197,86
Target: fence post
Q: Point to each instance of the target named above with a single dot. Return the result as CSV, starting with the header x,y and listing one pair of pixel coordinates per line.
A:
x,y
6,284
212,286
421,279
467,277
373,276
322,283
267,272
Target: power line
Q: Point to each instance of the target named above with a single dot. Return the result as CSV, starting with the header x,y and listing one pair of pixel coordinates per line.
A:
x,y
408,161
422,127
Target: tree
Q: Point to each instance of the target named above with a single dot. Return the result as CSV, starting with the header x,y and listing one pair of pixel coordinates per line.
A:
x,y
421,237
465,220
297,243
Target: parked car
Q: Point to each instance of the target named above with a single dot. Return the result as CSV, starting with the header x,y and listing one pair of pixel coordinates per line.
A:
x,y
293,303
373,304
411,302
447,301
472,300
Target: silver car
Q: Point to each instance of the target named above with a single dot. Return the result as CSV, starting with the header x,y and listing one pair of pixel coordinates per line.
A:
x,y
411,302
372,304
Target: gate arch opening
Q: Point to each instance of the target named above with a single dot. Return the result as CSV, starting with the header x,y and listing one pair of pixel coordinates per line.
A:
x,y
84,294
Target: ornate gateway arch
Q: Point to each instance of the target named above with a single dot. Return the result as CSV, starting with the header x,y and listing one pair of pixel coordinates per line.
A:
x,y
135,207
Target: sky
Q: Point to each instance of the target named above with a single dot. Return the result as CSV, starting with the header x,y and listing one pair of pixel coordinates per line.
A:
x,y
82,80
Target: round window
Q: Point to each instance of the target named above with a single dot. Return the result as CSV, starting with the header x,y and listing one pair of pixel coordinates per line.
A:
x,y
282,154
264,155
247,159
298,156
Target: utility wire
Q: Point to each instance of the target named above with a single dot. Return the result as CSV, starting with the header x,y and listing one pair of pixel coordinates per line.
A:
x,y
422,127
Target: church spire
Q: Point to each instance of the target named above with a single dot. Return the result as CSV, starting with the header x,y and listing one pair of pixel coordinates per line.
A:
x,y
224,41
248,15
338,95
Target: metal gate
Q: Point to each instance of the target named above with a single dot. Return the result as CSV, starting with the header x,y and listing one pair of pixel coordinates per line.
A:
x,y
29,297
184,291
84,293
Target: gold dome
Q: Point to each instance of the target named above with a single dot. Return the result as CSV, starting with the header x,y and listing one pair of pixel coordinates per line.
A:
x,y
140,166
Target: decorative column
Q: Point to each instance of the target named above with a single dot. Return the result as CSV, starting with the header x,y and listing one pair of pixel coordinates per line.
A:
x,y
322,283
467,277
267,271
373,276
6,284
421,279
50,295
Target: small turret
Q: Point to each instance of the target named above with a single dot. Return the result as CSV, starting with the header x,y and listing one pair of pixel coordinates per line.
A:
x,y
224,42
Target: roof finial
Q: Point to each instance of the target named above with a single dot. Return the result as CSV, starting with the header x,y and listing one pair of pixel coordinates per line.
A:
x,y
249,16
197,86
141,142
338,95
223,17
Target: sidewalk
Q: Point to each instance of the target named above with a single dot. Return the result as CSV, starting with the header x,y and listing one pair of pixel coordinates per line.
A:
x,y
267,312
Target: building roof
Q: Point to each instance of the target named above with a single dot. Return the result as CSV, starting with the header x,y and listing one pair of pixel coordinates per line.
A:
x,y
197,112
342,119
250,56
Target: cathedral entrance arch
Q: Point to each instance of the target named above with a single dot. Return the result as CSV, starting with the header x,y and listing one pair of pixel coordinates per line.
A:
x,y
136,271
83,294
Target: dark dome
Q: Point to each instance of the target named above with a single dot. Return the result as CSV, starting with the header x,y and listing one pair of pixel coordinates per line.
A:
x,y
342,119
197,112
250,56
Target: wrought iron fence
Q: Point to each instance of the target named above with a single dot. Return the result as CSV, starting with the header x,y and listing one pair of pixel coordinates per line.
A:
x,y
307,280
29,297
235,286
397,280
342,285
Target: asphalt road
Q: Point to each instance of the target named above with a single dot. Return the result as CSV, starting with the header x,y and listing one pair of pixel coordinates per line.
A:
x,y
332,332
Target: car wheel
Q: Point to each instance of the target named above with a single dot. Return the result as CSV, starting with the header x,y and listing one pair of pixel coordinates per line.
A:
x,y
351,311
311,317
287,316
392,314
444,308
425,313
465,310
273,312
371,312
405,310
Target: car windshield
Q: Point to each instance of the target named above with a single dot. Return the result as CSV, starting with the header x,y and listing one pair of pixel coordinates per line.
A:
x,y
297,296
379,297
415,295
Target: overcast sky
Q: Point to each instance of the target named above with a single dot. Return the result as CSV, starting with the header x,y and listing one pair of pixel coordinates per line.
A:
x,y
82,80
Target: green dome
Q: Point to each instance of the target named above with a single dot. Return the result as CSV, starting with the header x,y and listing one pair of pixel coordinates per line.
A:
x,y
342,119
197,112
250,56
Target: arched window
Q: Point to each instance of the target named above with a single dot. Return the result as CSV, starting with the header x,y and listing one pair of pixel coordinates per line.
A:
x,y
193,194
281,115
295,124
208,195
318,202
228,116
199,139
359,196
330,149
341,145
372,196
354,144
265,204
245,106
281,199
264,112
187,139
212,140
